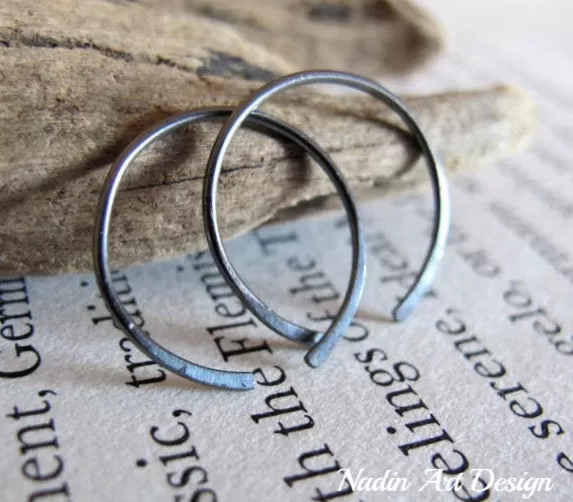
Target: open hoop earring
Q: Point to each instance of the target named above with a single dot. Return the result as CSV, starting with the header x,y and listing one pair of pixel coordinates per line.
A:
x,y
165,358
320,350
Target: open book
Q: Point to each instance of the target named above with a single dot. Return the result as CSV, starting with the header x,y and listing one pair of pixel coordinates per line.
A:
x,y
469,399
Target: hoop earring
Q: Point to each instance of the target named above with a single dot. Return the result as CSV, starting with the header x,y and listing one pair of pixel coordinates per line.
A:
x,y
323,346
165,358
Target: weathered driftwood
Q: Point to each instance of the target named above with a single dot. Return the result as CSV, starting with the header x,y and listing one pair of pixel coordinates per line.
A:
x,y
364,36
79,80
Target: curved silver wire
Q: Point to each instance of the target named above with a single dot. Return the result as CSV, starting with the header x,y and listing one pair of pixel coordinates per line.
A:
x,y
323,345
163,357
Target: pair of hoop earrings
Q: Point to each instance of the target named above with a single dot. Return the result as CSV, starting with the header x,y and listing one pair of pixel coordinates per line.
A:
x,y
319,344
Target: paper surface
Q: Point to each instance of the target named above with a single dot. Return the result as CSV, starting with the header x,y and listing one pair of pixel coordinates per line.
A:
x,y
479,377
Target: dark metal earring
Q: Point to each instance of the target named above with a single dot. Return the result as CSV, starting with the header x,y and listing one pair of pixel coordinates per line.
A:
x,y
159,354
324,344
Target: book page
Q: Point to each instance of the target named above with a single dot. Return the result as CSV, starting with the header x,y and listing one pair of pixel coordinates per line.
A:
x,y
468,399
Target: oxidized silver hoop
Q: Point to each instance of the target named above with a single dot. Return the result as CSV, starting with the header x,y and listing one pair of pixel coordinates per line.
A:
x,y
320,350
165,358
